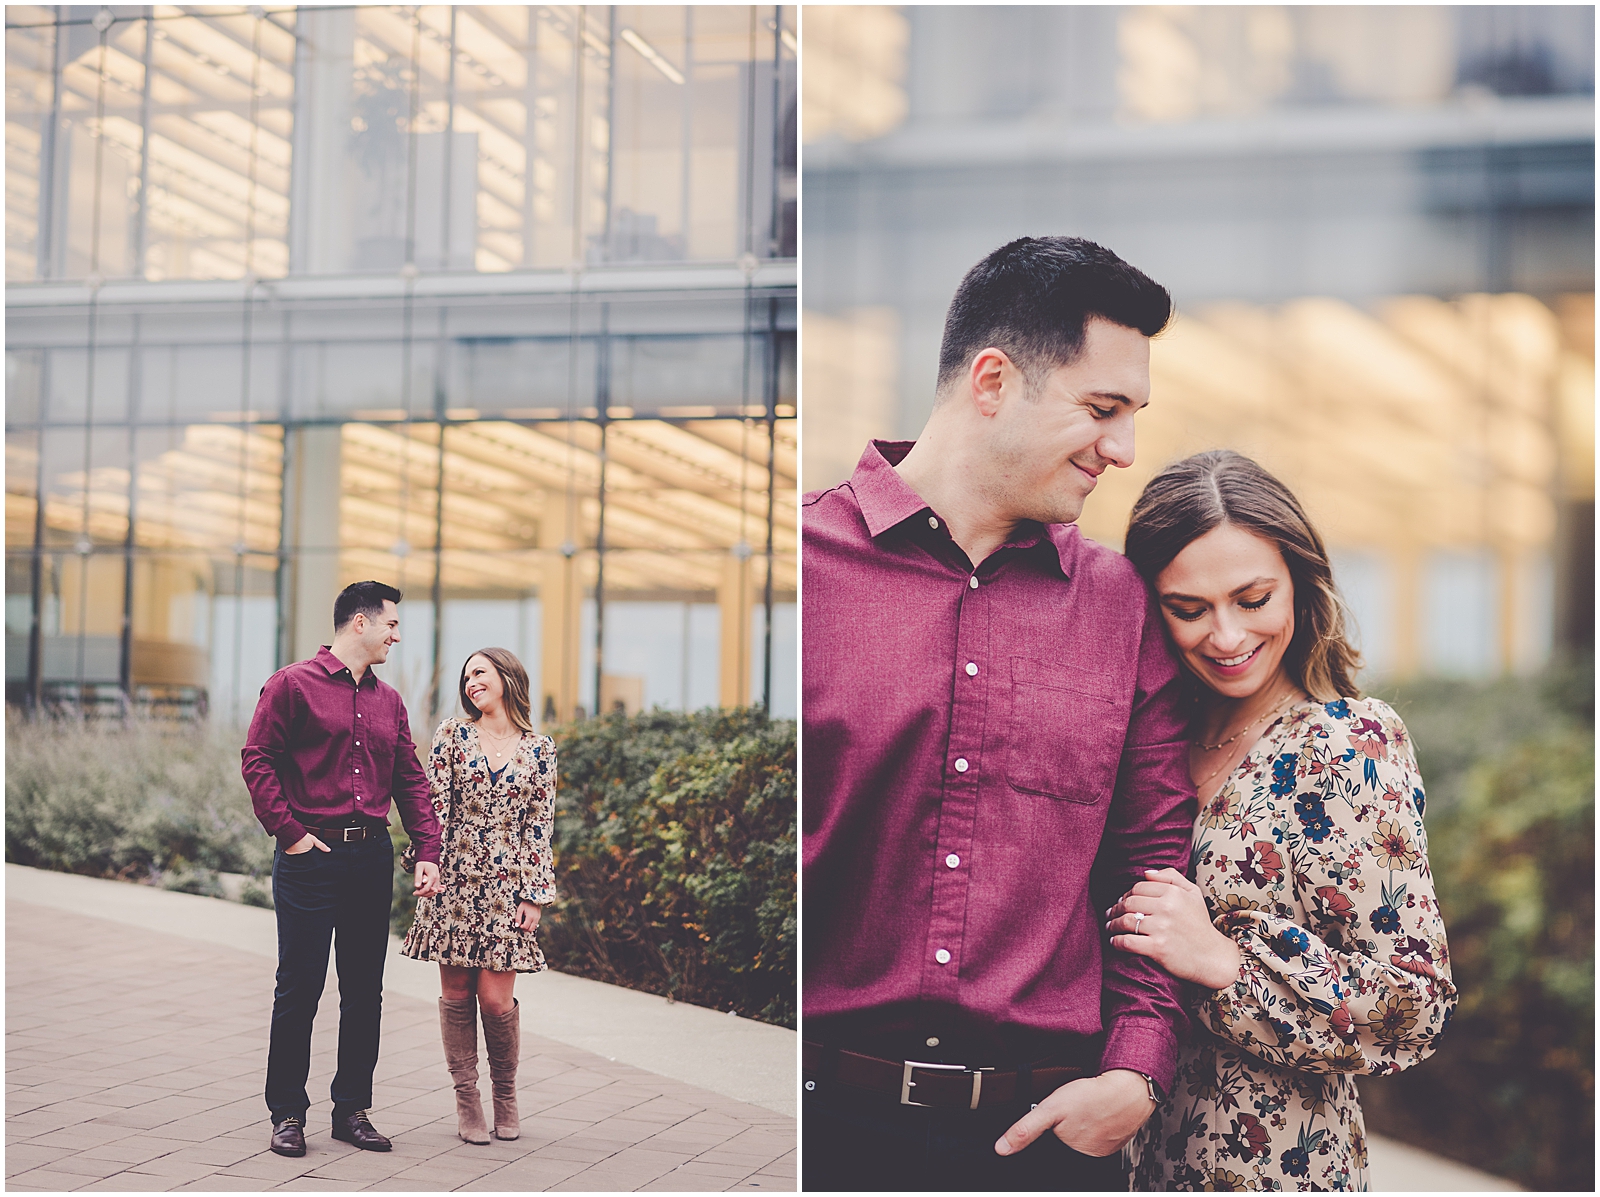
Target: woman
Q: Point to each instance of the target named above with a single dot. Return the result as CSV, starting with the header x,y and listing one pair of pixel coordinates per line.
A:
x,y
1310,925
494,786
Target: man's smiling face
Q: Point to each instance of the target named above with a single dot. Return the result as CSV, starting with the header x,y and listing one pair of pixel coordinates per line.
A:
x,y
1051,445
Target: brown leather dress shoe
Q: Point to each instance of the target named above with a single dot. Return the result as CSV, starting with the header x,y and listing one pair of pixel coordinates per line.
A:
x,y
354,1128
289,1137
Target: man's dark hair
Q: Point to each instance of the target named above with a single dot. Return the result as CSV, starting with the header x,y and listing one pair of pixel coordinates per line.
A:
x,y
1033,299
362,598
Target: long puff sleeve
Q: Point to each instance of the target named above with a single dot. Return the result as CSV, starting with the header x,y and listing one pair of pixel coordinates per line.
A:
x,y
441,777
537,882
1354,976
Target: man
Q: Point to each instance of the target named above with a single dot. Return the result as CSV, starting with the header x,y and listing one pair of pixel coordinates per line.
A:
x,y
329,746
990,715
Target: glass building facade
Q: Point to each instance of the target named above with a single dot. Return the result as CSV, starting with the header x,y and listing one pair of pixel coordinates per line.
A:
x,y
1377,223
496,304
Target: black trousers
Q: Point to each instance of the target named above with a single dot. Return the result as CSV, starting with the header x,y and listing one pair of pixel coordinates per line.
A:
x,y
340,896
854,1141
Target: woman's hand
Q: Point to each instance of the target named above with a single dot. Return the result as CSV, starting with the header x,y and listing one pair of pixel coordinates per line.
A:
x,y
426,880
1176,930
528,916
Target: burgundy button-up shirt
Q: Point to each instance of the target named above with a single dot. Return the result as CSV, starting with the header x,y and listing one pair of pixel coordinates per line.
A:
x,y
324,748
991,757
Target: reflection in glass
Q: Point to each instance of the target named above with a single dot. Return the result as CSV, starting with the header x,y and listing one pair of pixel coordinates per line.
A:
x,y
510,337
452,137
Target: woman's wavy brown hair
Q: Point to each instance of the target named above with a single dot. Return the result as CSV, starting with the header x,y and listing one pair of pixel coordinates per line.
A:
x,y
1191,497
514,680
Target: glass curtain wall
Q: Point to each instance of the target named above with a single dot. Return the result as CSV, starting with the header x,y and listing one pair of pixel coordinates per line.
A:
x,y
1377,223
495,303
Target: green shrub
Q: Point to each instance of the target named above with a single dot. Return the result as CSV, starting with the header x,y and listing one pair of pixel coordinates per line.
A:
x,y
184,878
255,893
675,858
1511,1088
142,801
675,840
403,907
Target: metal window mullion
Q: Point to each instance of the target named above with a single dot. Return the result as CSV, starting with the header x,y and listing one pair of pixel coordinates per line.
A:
x,y
285,579
85,546
44,247
611,151
141,223
246,411
530,107
449,147
687,174
750,141
130,540
36,581
439,350
777,139
296,233
771,397
408,306
602,404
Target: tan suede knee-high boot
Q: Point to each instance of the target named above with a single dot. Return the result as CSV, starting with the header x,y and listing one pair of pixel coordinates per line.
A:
x,y
458,1028
502,1037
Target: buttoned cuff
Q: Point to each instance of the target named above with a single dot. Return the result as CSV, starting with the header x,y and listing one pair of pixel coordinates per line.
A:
x,y
1144,1045
539,897
290,833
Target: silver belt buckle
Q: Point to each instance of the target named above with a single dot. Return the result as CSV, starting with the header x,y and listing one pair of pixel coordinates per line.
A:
x,y
907,1084
352,833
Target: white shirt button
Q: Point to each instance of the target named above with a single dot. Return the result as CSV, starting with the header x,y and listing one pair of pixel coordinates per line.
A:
x,y
932,522
933,1041
358,743
961,764
973,581
972,669
942,956
953,861
358,770
358,714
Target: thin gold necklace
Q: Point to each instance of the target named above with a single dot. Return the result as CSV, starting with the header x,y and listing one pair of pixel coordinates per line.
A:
x,y
1227,758
499,752
1224,743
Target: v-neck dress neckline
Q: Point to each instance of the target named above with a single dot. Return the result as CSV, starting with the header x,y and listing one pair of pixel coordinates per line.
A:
x,y
496,775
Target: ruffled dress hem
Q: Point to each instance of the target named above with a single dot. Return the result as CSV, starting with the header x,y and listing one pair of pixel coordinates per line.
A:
x,y
460,949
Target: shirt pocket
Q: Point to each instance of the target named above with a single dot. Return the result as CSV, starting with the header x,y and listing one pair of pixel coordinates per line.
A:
x,y
383,737
1066,734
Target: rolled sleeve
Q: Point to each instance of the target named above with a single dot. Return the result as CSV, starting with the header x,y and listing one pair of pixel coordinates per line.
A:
x,y
1146,1045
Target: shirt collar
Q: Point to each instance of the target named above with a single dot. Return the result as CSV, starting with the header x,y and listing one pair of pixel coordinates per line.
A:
x,y
335,667
883,496
886,501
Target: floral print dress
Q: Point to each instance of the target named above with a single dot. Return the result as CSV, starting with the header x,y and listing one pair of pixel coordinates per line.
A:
x,y
496,852
1314,860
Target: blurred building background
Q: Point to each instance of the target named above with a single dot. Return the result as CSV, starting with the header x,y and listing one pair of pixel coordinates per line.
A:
x,y
496,304
1377,223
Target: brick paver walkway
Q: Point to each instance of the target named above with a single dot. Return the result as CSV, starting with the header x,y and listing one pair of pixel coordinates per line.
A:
x,y
135,1062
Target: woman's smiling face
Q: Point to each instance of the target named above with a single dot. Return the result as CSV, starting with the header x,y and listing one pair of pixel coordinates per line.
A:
x,y
484,686
1228,601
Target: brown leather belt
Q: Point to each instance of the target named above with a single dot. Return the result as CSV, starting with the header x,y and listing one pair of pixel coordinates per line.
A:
x,y
345,834
950,1086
